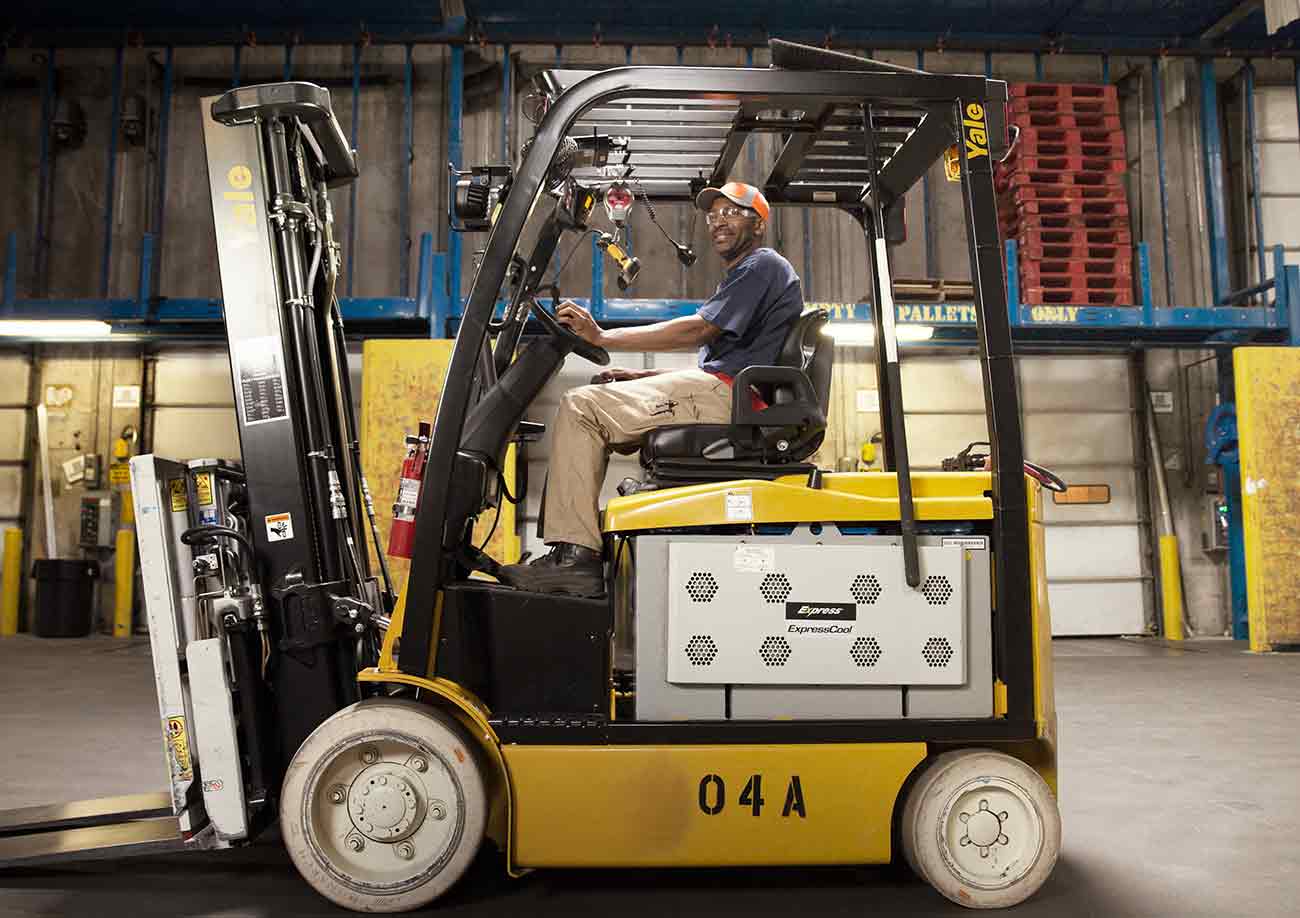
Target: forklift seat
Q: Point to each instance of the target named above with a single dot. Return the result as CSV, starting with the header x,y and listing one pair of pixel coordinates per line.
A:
x,y
759,442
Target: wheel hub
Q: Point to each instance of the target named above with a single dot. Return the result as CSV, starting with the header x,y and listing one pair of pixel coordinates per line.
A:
x,y
983,828
991,833
386,802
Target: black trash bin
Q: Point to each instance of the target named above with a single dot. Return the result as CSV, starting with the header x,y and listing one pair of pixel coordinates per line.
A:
x,y
65,597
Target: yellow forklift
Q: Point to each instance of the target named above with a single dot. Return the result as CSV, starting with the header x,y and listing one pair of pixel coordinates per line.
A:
x,y
790,666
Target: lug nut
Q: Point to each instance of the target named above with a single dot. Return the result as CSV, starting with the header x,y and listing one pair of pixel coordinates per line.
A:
x,y
358,628
439,811
356,843
419,764
406,851
337,795
370,755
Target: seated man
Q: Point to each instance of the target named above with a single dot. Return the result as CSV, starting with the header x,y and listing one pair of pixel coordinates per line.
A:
x,y
743,324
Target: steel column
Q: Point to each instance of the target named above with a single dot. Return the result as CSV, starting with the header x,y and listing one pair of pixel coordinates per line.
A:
x,y
1215,201
43,192
1253,145
288,62
352,191
238,66
627,235
1013,281
11,270
404,198
988,65
424,282
1038,66
507,103
1144,283
1105,68
455,152
1157,97
114,127
144,284
926,204
160,191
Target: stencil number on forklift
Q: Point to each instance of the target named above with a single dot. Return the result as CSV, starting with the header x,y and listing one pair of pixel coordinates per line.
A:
x,y
279,527
713,796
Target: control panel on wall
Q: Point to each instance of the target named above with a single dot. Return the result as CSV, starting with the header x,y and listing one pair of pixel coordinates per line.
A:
x,y
97,528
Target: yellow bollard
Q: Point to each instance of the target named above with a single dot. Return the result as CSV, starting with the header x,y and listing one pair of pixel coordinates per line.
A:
x,y
123,583
1171,588
12,583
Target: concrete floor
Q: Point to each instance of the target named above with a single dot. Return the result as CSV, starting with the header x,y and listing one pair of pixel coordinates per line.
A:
x,y
1179,797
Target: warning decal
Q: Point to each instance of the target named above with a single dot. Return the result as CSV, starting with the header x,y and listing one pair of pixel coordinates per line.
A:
x,y
203,485
178,749
279,527
176,487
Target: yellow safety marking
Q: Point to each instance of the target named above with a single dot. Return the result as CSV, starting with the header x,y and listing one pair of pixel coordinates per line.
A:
x,y
1171,588
238,195
239,176
1268,419
12,582
123,583
999,698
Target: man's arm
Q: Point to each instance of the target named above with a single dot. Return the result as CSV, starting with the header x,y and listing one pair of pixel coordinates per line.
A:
x,y
682,334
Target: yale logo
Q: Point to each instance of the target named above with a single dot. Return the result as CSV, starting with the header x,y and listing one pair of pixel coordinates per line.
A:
x,y
240,180
1054,313
977,136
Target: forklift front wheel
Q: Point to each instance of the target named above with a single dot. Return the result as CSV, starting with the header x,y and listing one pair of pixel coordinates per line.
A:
x,y
383,807
982,828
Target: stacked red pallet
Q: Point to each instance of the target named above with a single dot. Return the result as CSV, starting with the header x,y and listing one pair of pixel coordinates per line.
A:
x,y
1061,195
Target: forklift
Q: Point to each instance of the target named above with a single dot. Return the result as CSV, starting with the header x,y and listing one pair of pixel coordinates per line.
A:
x,y
789,666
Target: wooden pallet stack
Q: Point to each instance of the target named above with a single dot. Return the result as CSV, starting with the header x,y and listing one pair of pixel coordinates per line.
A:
x,y
1061,195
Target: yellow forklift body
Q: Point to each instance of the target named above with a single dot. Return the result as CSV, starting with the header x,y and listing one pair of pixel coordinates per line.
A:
x,y
707,805
843,497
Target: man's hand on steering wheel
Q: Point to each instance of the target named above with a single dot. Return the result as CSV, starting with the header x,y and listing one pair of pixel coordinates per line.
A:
x,y
580,322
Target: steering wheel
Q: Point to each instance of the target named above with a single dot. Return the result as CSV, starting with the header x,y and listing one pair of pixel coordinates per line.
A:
x,y
579,345
1046,477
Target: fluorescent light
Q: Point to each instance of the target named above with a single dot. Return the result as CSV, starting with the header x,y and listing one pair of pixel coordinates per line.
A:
x,y
865,332
54,328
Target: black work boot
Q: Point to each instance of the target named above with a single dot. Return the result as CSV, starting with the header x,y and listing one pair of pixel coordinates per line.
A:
x,y
566,568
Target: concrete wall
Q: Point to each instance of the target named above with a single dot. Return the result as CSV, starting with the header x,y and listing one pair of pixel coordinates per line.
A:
x,y
197,384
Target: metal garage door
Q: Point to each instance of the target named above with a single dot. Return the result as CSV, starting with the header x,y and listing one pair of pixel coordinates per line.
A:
x,y
1078,420
15,370
193,405
1279,172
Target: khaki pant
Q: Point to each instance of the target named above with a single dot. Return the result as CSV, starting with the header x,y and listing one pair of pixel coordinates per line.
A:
x,y
593,420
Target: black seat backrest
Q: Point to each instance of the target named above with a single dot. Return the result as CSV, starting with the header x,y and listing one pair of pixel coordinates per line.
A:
x,y
806,348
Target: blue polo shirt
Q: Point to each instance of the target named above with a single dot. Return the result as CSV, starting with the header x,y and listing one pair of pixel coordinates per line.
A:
x,y
754,306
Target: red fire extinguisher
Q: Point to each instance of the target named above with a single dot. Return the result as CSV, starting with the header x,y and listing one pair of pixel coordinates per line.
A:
x,y
401,537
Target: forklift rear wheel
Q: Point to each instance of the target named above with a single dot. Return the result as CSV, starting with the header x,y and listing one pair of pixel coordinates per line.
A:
x,y
982,828
383,806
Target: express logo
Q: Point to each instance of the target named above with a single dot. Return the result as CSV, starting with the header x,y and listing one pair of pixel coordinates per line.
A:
x,y
821,611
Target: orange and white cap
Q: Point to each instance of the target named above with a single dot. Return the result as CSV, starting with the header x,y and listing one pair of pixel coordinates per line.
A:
x,y
737,193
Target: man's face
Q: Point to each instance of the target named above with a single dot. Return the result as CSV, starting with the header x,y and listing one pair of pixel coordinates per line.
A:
x,y
733,229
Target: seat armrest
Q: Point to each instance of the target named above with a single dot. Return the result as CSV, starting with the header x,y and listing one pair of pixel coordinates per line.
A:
x,y
805,409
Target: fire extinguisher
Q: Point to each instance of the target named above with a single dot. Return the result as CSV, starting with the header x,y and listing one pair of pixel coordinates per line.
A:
x,y
401,537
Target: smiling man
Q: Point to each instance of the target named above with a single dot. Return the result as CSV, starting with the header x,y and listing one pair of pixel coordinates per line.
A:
x,y
743,324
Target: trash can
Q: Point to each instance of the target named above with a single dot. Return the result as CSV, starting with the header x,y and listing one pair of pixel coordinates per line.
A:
x,y
65,597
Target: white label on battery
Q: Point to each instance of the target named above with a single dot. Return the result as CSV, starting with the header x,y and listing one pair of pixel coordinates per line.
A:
x,y
740,506
279,527
965,542
754,559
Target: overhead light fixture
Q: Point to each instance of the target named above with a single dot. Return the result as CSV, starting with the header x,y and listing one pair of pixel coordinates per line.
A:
x,y
54,328
865,332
